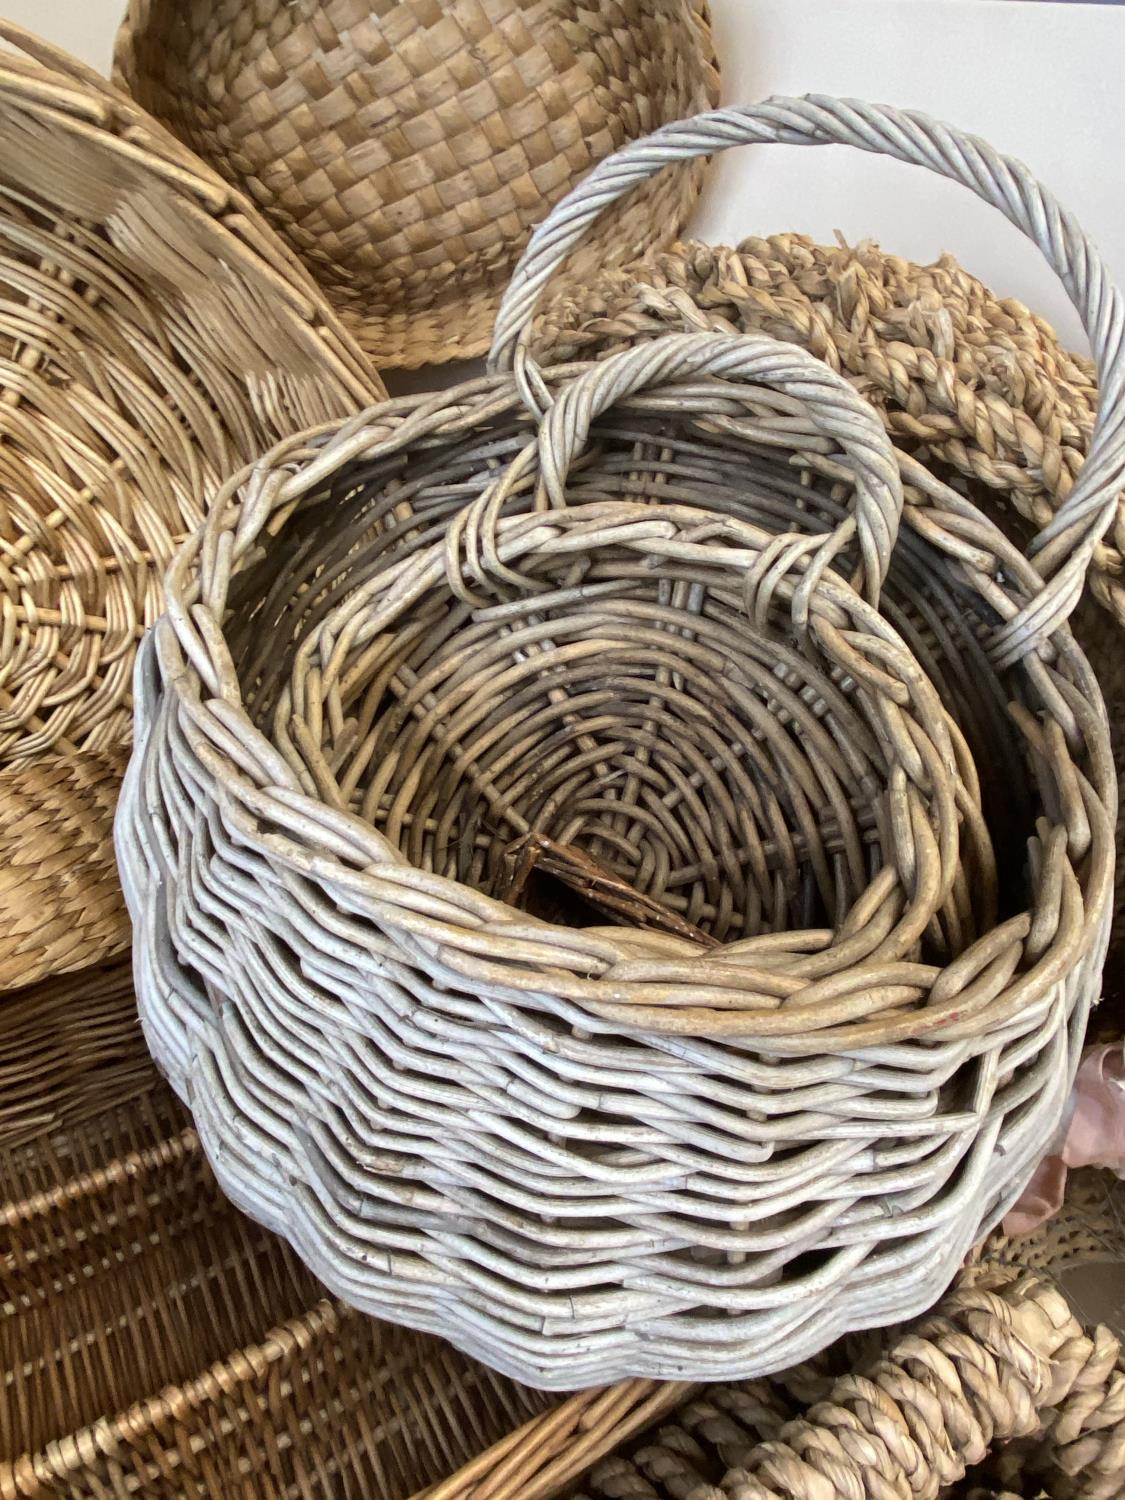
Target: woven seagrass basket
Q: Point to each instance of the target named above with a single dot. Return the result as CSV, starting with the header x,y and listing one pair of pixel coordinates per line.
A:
x,y
604,640
157,1342
405,150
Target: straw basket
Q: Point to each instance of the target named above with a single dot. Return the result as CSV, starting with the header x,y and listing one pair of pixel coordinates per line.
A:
x,y
435,690
406,149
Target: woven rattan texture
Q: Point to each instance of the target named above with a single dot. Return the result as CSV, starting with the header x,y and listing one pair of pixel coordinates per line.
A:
x,y
61,906
154,334
69,1047
405,150
956,372
155,1341
971,383
456,648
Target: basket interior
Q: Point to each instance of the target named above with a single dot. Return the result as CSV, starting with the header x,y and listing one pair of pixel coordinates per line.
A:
x,y
616,738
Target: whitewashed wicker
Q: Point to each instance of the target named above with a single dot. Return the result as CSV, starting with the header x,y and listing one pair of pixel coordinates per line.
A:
x,y
408,667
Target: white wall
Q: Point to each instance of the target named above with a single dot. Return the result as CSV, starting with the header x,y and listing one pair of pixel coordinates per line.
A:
x,y
1042,81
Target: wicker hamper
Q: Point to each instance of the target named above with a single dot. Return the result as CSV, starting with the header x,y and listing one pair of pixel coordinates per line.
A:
x,y
154,335
430,687
406,148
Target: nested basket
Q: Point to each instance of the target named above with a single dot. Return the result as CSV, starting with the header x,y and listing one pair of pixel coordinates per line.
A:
x,y
651,640
405,149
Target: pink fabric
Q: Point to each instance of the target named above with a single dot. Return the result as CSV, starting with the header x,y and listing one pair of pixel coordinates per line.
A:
x,y
1095,1137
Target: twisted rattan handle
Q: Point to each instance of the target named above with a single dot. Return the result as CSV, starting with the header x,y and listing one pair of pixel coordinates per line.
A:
x,y
1065,547
826,401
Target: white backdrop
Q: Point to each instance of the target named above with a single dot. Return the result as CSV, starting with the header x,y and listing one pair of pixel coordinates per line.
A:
x,y
1039,80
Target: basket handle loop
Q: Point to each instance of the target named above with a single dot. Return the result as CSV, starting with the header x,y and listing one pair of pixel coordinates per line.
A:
x,y
1065,547
822,400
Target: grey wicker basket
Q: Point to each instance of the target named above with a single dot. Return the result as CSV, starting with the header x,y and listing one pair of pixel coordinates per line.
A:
x,y
654,640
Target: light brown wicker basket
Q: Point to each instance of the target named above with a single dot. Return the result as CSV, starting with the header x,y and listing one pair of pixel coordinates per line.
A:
x,y
155,1342
154,334
530,627
970,383
406,149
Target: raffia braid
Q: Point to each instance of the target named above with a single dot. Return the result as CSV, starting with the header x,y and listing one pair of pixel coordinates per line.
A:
x,y
1002,1358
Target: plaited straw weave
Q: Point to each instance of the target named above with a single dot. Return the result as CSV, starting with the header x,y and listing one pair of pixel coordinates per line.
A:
x,y
154,334
156,1342
406,149
453,654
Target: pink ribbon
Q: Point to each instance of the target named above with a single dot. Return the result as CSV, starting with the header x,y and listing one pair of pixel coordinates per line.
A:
x,y
1094,1137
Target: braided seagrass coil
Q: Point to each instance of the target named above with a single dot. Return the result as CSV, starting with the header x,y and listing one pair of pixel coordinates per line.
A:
x,y
489,653
154,335
963,378
1000,1359
406,150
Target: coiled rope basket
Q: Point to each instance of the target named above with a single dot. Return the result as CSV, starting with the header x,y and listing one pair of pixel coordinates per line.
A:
x,y
612,884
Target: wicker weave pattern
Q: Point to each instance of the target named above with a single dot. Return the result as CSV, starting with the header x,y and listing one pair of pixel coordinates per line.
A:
x,y
371,662
134,1288
406,149
969,380
154,335
61,906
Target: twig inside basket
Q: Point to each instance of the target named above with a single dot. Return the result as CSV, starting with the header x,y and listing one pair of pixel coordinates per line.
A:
x,y
603,890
